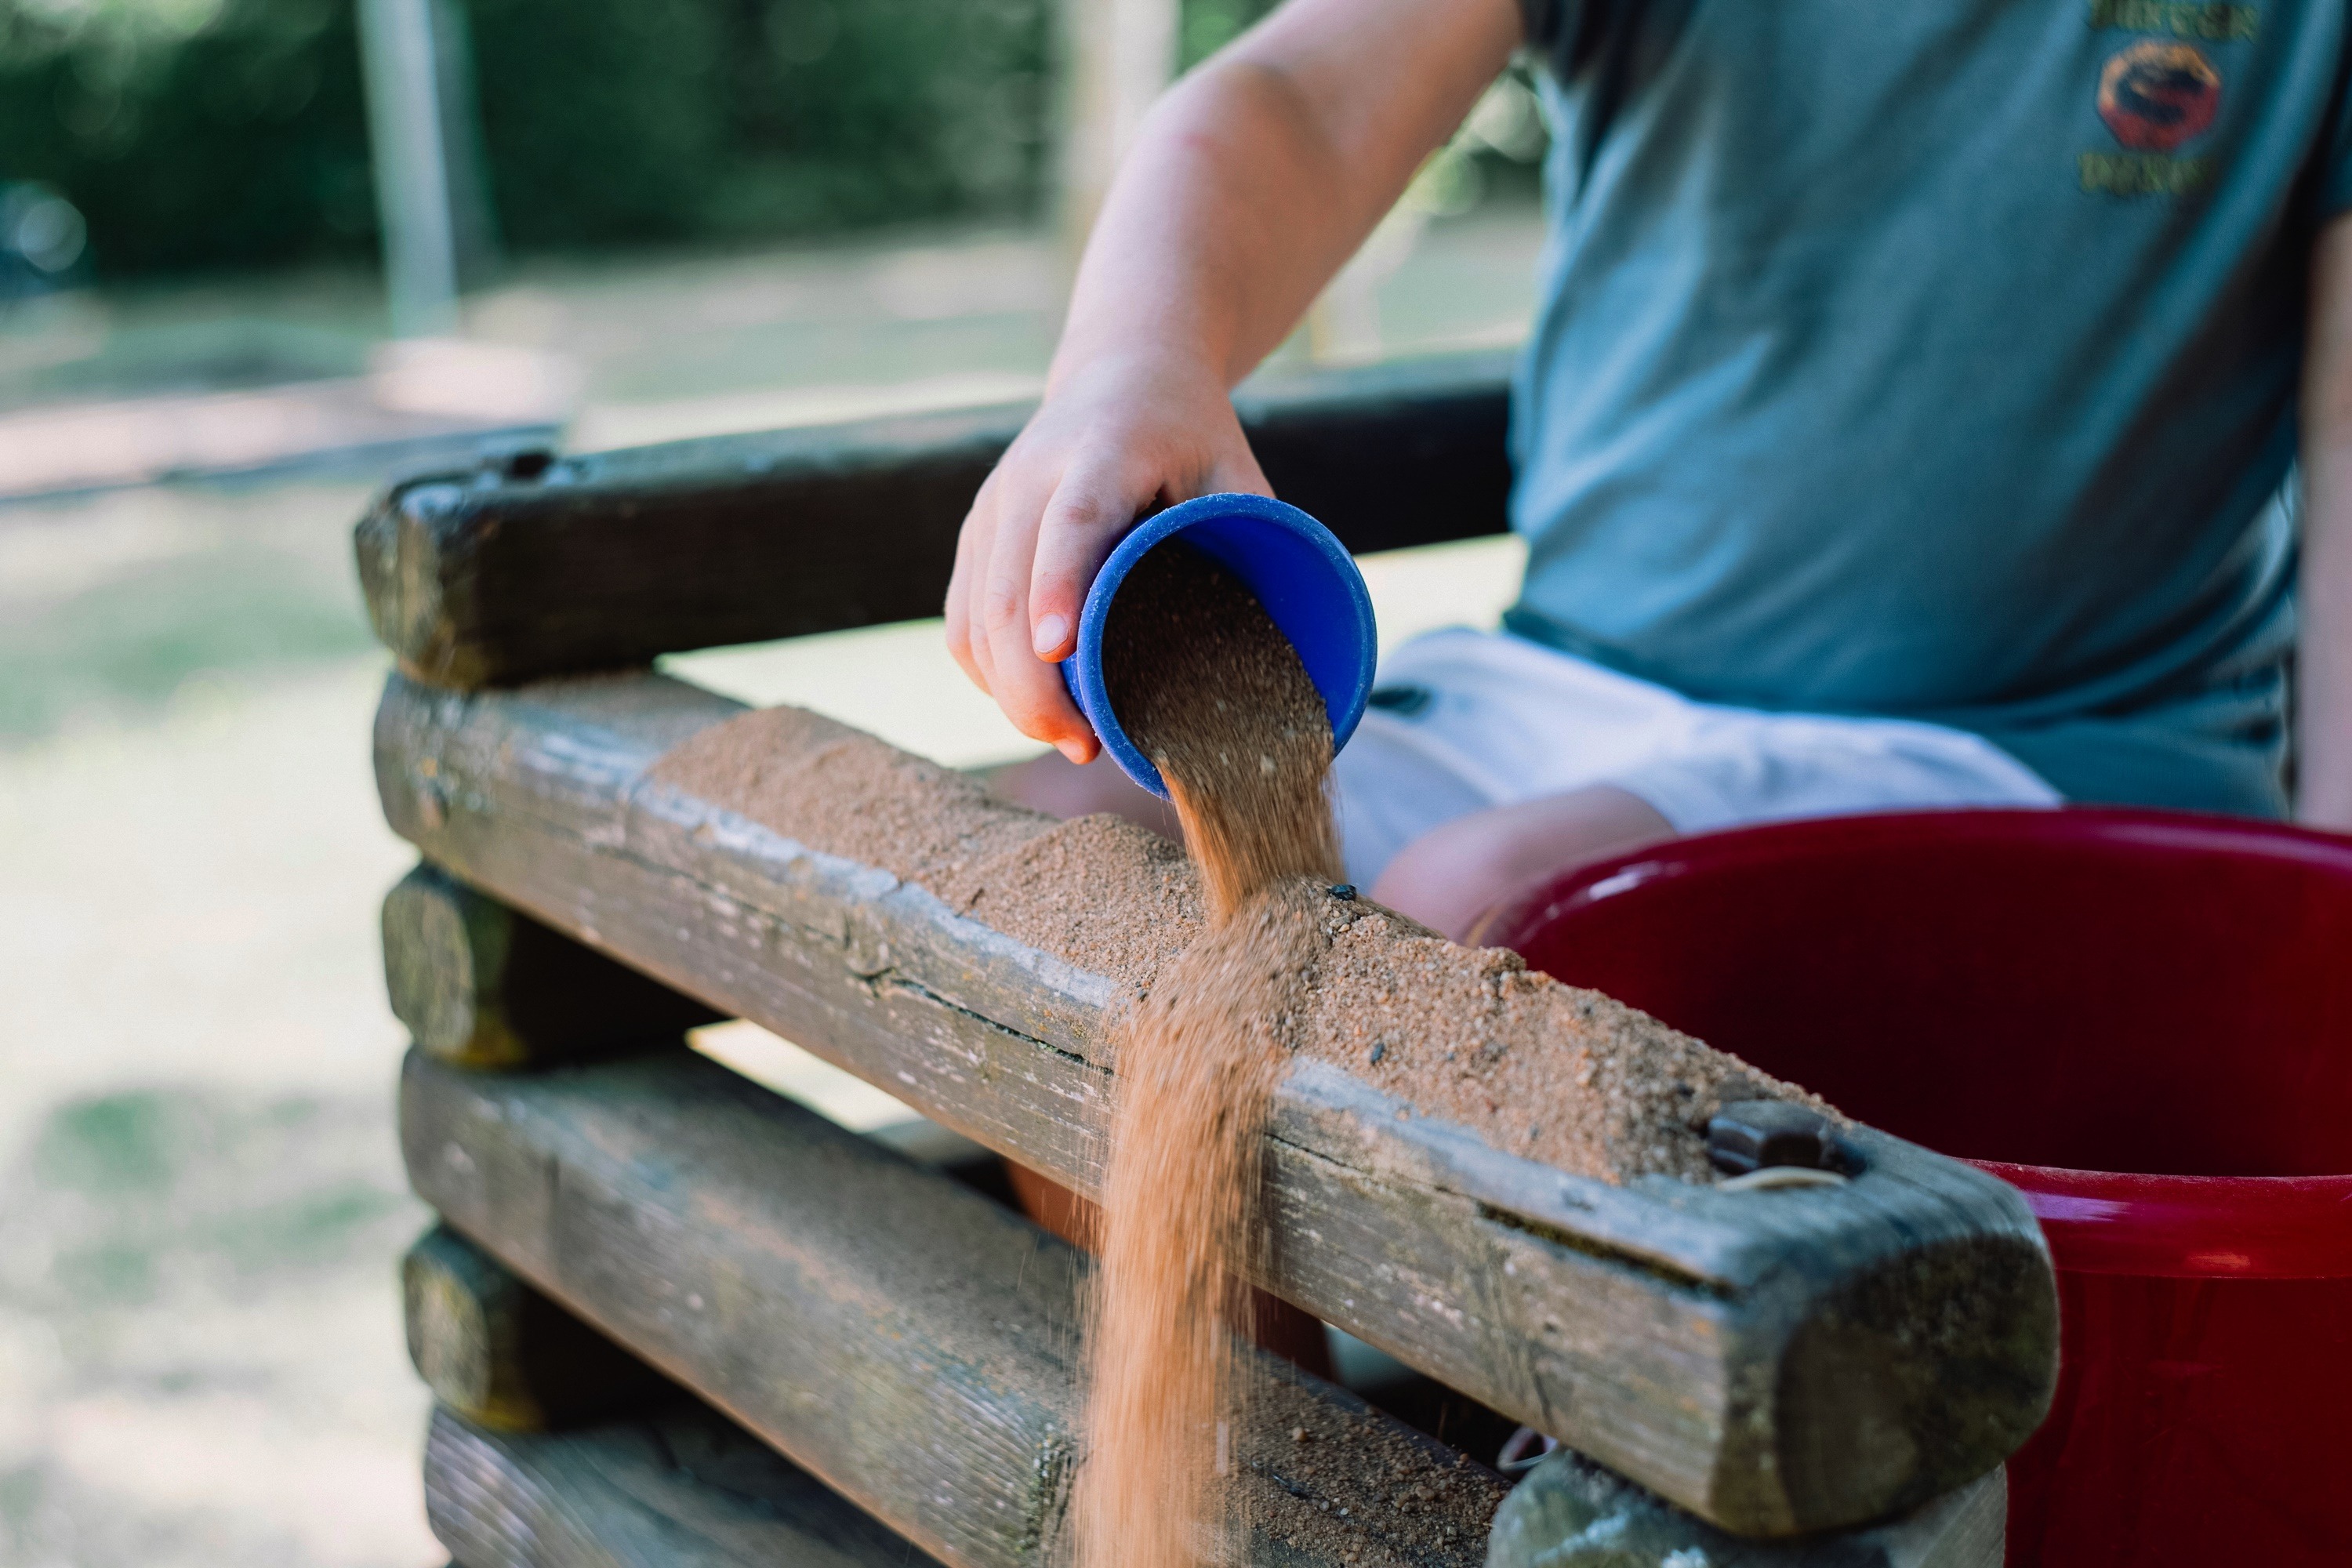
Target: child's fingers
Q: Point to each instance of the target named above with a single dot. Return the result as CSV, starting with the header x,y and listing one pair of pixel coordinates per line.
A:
x,y
994,532
1029,689
1237,470
1029,550
1031,692
971,548
1089,511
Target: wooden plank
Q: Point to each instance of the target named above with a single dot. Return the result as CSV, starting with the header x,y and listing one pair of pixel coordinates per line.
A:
x,y
685,1487
483,985
680,1487
1775,1361
913,1342
606,561
501,1353
902,1337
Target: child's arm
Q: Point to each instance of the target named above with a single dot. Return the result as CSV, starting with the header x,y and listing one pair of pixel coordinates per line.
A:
x,y
1250,185
2324,594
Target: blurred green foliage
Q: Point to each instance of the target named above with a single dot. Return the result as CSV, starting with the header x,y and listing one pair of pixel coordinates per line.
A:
x,y
191,133
207,134
1208,26
632,119
198,134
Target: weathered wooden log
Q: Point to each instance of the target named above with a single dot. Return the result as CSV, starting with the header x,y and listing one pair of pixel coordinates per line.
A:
x,y
681,1487
900,1336
501,1353
913,1343
483,985
1776,1362
606,561
685,1487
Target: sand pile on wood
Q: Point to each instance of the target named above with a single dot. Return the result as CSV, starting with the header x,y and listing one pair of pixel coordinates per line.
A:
x,y
1100,893
1472,1035
1467,1035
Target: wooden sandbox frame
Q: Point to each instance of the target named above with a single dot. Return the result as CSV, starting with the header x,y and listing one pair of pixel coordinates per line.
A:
x,y
634,1236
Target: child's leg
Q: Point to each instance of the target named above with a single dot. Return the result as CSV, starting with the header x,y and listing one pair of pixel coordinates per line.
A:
x,y
1059,787
1452,874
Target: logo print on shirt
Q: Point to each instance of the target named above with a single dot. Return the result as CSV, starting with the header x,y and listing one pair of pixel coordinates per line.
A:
x,y
2155,96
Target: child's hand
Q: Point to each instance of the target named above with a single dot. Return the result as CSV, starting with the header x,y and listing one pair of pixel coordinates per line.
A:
x,y
1252,180
1114,439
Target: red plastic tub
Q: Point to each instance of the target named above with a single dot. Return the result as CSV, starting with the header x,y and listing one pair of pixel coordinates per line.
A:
x,y
2142,1019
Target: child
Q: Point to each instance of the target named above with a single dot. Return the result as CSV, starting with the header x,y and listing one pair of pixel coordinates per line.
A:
x,y
1907,422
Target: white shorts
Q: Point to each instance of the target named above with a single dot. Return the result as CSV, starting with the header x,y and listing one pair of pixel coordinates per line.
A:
x,y
1465,719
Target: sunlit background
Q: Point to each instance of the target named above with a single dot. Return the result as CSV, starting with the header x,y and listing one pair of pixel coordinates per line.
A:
x,y
647,219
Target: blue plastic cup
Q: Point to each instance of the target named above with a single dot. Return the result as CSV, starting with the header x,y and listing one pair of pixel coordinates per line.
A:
x,y
1299,571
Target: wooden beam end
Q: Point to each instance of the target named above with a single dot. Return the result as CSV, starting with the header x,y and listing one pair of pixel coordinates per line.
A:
x,y
483,986
501,1355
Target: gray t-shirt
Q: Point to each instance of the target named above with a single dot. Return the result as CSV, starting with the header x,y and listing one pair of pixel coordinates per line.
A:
x,y
1937,360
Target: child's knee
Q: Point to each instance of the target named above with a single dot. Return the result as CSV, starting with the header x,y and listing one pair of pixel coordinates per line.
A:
x,y
1058,787
1449,876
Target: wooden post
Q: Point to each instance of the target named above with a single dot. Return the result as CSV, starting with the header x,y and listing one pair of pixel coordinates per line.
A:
x,y
681,1487
405,123
1120,55
480,985
1775,1361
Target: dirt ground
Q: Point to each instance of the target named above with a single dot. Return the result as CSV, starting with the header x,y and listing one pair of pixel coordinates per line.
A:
x,y
201,1204
200,1199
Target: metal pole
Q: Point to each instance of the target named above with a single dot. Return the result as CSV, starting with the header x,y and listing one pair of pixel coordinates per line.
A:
x,y
1122,56
411,171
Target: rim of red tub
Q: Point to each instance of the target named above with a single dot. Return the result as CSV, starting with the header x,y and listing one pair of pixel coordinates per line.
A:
x,y
2098,1222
